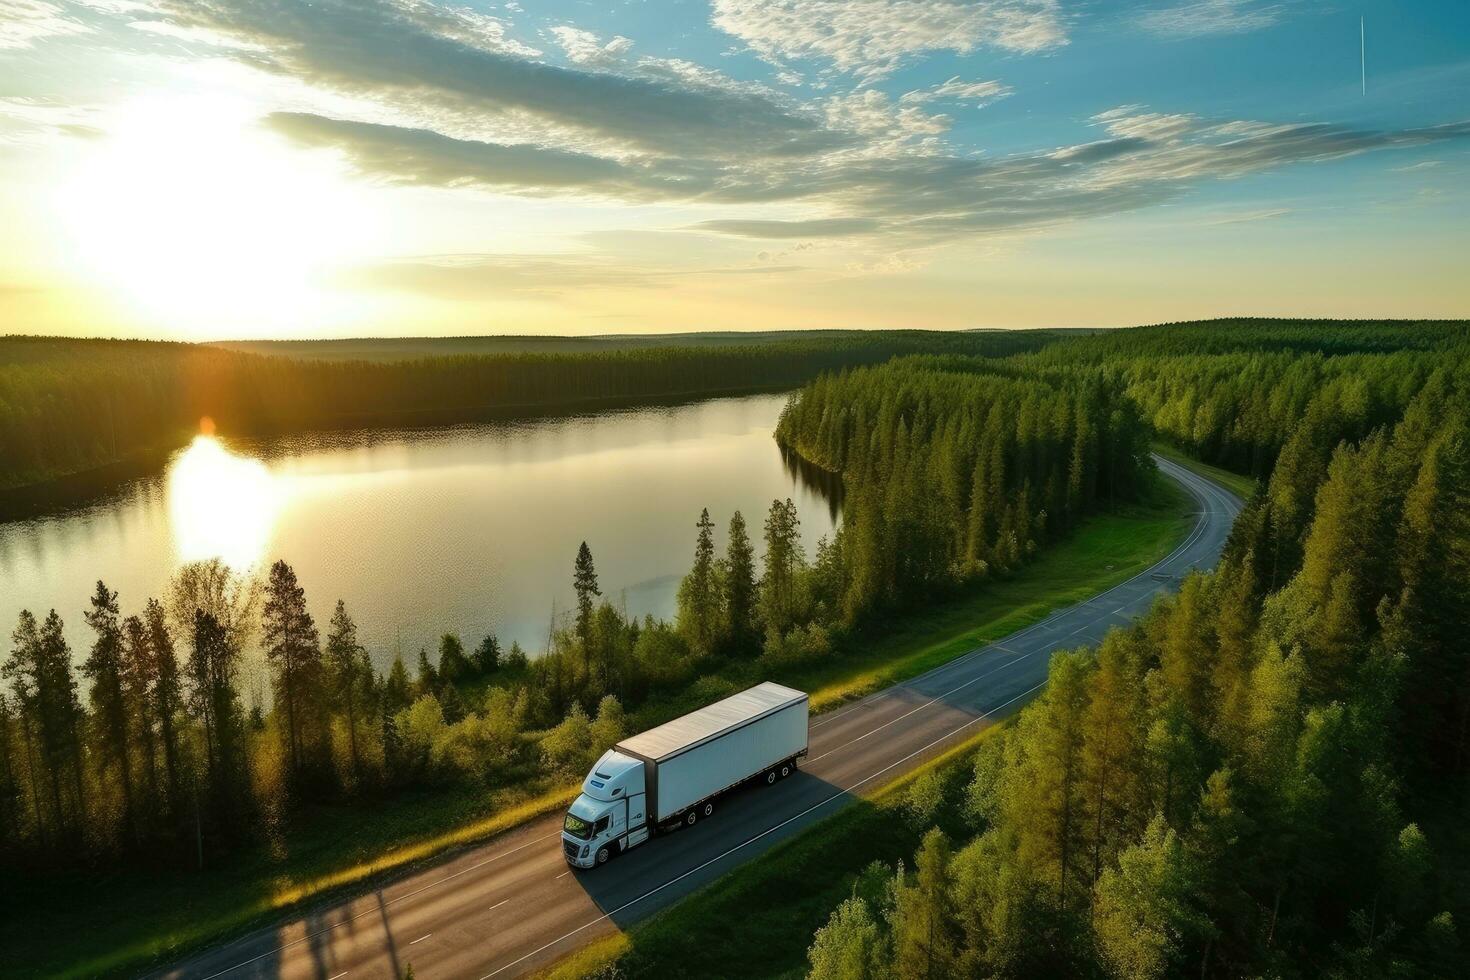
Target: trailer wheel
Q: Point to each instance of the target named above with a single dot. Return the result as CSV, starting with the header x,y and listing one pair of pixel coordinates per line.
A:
x,y
785,769
602,855
771,777
689,818
709,810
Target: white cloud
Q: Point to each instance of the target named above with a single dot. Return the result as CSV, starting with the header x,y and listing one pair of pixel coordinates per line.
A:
x,y
585,48
1197,18
872,114
871,38
24,22
979,93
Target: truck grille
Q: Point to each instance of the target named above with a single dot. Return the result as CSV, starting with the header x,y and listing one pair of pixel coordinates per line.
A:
x,y
572,850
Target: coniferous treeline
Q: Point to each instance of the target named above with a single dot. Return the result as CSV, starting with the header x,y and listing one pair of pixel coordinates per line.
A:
x,y
171,751
952,469
1234,393
70,405
1248,782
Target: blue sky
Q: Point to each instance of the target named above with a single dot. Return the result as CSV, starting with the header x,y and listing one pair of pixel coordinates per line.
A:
x,y
283,168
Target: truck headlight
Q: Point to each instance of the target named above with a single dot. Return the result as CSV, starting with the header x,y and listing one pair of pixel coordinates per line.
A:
x,y
585,848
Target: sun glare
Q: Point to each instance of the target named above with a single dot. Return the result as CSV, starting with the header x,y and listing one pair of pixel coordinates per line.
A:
x,y
221,505
199,218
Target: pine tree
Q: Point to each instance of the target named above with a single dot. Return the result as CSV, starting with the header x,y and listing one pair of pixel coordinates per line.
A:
x,y
350,675
699,608
293,651
213,666
740,594
584,581
427,681
168,700
104,668
487,655
140,676
923,916
784,559
454,666
397,689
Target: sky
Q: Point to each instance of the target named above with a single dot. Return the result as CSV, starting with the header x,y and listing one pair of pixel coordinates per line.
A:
x,y
208,169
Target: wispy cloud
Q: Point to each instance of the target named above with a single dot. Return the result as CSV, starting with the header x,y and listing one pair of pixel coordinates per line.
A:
x,y
1197,18
909,198
871,38
24,22
976,93
774,229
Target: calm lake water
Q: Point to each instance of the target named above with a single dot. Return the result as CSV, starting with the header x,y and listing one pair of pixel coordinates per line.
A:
x,y
463,529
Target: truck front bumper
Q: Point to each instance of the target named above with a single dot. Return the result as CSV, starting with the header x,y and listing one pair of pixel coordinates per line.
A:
x,y
572,851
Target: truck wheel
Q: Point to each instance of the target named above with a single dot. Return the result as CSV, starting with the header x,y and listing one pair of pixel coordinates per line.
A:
x,y
709,810
771,777
602,855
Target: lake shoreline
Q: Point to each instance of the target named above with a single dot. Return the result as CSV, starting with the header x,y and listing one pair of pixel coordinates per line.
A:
x,y
83,488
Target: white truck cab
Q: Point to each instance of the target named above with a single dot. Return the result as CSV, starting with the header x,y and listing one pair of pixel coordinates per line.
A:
x,y
611,814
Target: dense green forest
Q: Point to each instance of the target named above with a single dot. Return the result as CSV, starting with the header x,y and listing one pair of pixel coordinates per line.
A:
x,y
1267,775
163,750
73,405
1261,778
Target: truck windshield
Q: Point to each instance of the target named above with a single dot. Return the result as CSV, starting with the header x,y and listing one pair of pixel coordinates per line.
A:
x,y
577,827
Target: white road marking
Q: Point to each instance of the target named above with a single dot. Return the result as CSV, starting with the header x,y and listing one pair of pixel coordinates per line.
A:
x,y
498,904
420,939
338,976
561,876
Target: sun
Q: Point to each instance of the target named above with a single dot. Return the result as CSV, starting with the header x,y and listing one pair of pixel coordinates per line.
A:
x,y
201,220
221,505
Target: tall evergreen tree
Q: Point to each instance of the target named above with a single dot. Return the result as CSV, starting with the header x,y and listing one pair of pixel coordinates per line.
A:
x,y
784,559
213,667
699,611
168,700
104,668
350,678
740,593
584,581
293,651
139,679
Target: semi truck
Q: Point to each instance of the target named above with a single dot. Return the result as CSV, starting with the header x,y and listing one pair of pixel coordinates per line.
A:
x,y
670,777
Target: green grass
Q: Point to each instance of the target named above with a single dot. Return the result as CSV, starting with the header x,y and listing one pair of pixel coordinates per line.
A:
x,y
1106,550
143,916
1242,486
732,927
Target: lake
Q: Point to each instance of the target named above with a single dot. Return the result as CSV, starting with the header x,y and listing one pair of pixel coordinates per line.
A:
x,y
463,529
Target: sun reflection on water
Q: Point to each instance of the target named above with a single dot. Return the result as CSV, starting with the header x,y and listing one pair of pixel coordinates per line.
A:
x,y
220,505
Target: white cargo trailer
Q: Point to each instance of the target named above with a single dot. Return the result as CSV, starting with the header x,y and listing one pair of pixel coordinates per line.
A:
x,y
670,776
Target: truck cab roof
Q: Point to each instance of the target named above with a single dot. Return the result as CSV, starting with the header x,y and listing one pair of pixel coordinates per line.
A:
x,y
614,777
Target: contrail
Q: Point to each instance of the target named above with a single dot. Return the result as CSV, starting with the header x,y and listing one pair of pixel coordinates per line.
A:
x,y
1363,52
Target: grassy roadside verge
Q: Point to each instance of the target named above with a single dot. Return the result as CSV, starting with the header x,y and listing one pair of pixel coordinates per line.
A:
x,y
1242,486
139,917
732,928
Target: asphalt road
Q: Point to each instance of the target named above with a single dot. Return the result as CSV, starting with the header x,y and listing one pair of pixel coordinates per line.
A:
x,y
512,905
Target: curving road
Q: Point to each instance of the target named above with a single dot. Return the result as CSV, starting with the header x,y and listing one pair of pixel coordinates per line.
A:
x,y
512,905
